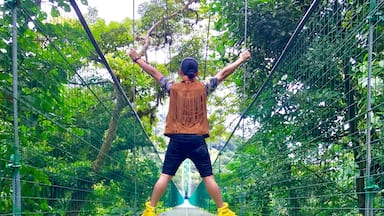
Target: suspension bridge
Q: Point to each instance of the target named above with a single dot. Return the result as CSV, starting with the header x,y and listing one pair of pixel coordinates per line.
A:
x,y
308,141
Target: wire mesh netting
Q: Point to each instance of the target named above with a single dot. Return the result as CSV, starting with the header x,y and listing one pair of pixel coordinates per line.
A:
x,y
82,147
311,142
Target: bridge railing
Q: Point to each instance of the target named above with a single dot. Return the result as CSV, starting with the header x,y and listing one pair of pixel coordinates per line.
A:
x,y
78,147
311,142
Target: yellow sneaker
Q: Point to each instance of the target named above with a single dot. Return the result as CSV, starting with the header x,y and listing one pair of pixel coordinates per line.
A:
x,y
225,211
149,210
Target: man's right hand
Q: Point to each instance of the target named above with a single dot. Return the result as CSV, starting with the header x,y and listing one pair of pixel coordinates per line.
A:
x,y
245,55
133,54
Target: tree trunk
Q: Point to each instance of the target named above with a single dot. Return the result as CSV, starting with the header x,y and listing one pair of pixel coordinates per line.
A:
x,y
109,136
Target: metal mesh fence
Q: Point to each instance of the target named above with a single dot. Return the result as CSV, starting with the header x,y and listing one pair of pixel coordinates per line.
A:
x,y
82,148
311,142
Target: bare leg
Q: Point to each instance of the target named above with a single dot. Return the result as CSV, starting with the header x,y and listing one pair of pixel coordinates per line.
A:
x,y
159,188
213,190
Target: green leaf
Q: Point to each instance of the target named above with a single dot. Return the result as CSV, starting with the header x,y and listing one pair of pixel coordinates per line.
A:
x,y
84,2
67,8
3,76
55,12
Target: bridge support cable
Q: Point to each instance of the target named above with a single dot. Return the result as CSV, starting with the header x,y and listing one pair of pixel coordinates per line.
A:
x,y
242,191
135,208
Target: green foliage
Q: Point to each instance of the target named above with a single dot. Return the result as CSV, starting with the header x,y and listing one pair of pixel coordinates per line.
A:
x,y
114,36
269,26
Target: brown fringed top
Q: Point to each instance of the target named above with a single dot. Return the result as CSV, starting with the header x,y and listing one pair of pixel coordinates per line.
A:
x,y
187,112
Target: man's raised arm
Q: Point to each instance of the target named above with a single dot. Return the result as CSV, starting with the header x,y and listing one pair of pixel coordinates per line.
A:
x,y
149,69
229,69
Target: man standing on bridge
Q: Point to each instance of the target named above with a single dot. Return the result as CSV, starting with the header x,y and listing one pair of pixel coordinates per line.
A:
x,y
187,125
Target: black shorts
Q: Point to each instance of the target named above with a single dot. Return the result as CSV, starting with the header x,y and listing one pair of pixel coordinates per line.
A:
x,y
183,146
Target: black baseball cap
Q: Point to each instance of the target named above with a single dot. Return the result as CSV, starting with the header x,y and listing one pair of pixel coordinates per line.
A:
x,y
189,65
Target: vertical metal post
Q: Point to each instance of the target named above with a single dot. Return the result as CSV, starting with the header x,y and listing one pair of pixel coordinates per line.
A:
x,y
183,187
189,184
16,157
368,180
245,23
368,197
136,172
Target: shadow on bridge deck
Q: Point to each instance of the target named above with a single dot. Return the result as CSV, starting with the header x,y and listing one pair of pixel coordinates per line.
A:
x,y
186,209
